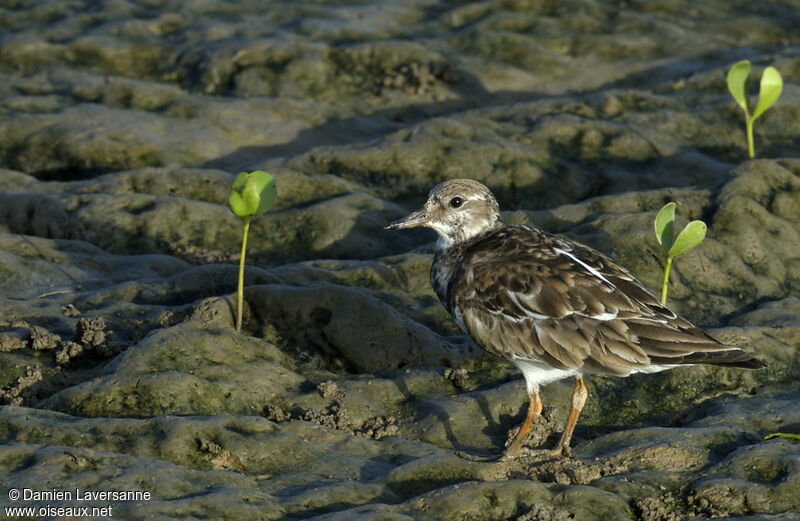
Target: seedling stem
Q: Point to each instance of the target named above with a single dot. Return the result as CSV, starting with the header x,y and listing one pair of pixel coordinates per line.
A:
x,y
770,90
665,284
240,287
251,194
692,235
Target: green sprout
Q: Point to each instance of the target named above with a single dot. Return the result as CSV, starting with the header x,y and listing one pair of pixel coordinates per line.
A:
x,y
251,194
782,435
768,94
691,236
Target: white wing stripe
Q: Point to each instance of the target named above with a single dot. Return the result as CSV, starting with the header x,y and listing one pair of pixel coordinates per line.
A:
x,y
515,300
603,316
591,270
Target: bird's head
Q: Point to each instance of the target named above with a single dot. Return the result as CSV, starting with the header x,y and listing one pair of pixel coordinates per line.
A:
x,y
458,210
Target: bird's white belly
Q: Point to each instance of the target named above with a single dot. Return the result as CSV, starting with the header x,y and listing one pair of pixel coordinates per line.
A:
x,y
538,373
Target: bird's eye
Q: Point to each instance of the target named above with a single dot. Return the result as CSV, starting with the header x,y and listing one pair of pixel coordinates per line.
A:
x,y
456,202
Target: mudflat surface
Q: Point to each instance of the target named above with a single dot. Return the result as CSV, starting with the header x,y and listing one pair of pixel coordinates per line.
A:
x,y
350,394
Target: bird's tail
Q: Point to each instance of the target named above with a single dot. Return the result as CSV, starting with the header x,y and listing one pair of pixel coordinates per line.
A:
x,y
689,345
730,358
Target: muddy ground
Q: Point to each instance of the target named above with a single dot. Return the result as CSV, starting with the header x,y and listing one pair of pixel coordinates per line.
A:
x,y
351,394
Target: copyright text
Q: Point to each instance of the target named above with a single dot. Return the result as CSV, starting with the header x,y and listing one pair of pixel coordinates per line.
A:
x,y
75,502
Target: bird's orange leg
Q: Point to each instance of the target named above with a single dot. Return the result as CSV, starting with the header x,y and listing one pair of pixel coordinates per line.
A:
x,y
534,410
579,395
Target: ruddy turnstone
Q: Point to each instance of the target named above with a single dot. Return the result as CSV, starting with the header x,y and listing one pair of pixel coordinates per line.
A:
x,y
553,307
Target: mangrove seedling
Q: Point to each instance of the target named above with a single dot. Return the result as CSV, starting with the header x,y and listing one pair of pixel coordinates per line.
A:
x,y
692,235
251,194
786,435
768,94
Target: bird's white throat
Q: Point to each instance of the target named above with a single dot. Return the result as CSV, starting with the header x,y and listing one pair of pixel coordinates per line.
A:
x,y
458,231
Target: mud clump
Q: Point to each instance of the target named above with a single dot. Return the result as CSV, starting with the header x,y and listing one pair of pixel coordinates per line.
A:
x,y
42,339
47,355
459,376
335,416
378,427
658,508
567,471
219,458
92,334
329,390
546,513
11,342
417,78
68,351
715,505
17,393
70,311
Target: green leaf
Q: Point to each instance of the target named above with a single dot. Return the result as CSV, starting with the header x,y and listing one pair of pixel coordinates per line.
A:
x,y
252,193
737,83
782,435
665,218
770,90
691,236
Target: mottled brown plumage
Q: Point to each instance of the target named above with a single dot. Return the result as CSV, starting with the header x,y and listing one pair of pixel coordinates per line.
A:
x,y
553,307
520,294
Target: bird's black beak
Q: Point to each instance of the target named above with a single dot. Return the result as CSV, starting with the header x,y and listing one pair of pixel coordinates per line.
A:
x,y
418,218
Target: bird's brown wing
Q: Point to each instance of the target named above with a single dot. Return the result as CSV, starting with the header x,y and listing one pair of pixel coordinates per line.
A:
x,y
524,293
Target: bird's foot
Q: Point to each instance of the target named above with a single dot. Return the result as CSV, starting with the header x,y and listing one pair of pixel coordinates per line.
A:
x,y
481,458
509,455
560,451
506,455
534,454
516,451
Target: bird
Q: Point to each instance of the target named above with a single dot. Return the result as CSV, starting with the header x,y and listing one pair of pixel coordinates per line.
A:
x,y
553,307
